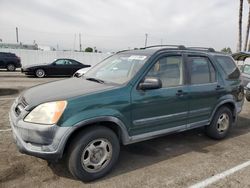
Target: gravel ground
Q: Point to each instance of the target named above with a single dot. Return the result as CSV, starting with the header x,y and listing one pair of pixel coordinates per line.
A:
x,y
178,160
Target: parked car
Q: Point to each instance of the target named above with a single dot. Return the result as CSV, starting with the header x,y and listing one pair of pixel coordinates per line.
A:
x,y
245,70
80,72
246,74
9,61
129,97
60,67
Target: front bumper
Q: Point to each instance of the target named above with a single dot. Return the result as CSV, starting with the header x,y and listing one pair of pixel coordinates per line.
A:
x,y
26,72
46,142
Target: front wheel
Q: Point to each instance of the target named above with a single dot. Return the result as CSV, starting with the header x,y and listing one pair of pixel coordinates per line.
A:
x,y
93,153
40,73
221,123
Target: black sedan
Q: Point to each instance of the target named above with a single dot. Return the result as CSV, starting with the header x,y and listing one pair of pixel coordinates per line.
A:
x,y
60,67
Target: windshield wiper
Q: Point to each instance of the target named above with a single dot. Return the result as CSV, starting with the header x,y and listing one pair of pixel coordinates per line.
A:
x,y
96,80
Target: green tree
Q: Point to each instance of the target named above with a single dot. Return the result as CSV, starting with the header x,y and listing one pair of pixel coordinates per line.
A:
x,y
89,49
227,50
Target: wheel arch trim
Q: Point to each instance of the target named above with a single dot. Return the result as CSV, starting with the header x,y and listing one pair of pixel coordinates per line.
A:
x,y
226,101
125,138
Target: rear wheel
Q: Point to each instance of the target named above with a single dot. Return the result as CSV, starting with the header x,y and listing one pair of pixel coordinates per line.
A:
x,y
221,123
11,67
40,73
248,95
93,153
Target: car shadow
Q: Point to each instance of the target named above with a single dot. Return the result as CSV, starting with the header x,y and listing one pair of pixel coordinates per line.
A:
x,y
5,70
140,155
32,76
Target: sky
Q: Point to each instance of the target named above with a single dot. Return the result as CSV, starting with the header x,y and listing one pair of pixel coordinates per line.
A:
x,y
111,25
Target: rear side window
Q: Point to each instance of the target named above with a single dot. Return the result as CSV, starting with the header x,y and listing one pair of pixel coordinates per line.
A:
x,y
201,70
228,66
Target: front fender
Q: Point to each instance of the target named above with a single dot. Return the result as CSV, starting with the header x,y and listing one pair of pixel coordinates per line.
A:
x,y
84,118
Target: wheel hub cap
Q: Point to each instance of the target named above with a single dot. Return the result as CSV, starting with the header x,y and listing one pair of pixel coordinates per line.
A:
x,y
96,155
223,123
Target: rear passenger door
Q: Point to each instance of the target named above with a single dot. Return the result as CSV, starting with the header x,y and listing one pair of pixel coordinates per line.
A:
x,y
203,89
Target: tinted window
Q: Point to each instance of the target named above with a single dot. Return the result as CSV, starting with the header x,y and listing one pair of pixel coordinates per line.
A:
x,y
227,64
67,62
3,54
201,70
169,70
60,62
75,62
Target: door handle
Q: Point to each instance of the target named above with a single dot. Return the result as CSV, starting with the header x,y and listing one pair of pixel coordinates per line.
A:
x,y
218,87
180,93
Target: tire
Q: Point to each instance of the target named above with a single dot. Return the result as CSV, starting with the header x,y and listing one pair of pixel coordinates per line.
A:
x,y
221,124
40,73
86,151
248,96
11,67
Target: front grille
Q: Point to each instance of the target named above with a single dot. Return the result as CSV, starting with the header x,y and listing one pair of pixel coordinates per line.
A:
x,y
20,106
23,102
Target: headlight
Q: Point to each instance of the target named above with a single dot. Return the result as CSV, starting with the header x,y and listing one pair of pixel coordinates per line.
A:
x,y
47,113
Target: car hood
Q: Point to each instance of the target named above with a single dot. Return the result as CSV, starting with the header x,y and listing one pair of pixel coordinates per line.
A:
x,y
62,90
83,70
34,65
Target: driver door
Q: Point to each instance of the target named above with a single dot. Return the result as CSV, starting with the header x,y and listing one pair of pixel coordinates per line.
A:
x,y
164,108
59,67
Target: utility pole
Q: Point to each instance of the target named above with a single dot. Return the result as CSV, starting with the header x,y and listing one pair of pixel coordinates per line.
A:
x,y
17,34
74,46
146,39
80,42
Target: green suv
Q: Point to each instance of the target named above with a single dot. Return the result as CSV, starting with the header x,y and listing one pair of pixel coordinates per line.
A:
x,y
129,97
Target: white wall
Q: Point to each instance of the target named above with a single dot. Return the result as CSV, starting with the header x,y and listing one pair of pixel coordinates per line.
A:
x,y
29,57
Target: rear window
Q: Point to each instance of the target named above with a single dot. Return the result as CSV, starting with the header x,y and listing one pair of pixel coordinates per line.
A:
x,y
229,66
4,54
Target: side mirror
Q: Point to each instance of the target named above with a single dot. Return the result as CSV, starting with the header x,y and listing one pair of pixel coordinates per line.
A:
x,y
54,64
150,83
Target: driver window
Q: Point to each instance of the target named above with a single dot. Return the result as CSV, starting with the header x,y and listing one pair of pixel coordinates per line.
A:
x,y
67,62
169,70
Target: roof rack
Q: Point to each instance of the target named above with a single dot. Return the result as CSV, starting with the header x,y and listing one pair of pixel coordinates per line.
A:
x,y
202,49
180,47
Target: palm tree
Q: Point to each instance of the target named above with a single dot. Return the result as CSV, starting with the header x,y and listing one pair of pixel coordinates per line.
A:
x,y
240,26
248,28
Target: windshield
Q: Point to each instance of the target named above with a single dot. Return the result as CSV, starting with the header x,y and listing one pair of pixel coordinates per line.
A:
x,y
118,69
246,69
